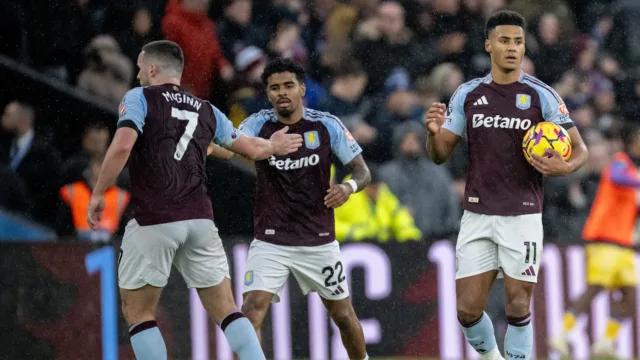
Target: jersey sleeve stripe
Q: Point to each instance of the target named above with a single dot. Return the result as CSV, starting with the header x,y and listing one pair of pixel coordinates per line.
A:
x,y
535,81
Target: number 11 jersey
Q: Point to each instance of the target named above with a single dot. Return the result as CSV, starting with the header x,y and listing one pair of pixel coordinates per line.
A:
x,y
167,162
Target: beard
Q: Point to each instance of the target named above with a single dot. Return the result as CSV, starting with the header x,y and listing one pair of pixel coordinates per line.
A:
x,y
285,112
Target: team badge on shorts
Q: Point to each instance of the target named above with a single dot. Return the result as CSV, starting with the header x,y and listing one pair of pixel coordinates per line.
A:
x,y
311,140
248,278
523,101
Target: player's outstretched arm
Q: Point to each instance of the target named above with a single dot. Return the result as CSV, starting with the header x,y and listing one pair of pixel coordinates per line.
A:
x,y
338,194
219,152
256,148
440,142
555,165
113,163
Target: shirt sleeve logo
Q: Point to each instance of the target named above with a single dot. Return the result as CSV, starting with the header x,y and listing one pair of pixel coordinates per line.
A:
x,y
122,109
311,140
523,101
563,109
349,136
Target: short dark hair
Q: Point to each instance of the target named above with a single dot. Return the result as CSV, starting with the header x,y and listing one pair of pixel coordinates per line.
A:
x,y
280,65
503,17
167,52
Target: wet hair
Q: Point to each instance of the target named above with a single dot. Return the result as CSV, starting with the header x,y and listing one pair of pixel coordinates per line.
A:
x,y
166,54
280,65
503,17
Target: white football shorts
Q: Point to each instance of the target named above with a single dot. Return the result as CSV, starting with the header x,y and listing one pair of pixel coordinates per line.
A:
x,y
193,246
316,268
510,244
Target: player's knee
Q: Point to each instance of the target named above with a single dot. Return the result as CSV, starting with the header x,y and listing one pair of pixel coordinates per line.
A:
x,y
133,314
255,312
344,317
517,305
469,310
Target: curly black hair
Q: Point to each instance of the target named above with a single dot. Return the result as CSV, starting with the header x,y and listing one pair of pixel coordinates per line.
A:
x,y
503,17
280,65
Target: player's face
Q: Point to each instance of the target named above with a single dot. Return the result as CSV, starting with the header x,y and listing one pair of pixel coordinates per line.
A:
x,y
506,47
143,73
285,93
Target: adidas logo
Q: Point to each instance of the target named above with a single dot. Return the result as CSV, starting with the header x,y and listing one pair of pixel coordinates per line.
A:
x,y
338,291
481,101
529,272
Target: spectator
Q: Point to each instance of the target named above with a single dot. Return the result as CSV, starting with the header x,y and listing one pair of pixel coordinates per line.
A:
x,y
109,73
72,209
421,185
552,57
188,24
287,43
142,31
388,46
32,157
250,96
13,195
94,146
236,31
375,214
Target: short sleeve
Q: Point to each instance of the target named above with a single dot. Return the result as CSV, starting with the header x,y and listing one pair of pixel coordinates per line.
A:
x,y
133,110
553,108
343,145
455,118
226,134
252,125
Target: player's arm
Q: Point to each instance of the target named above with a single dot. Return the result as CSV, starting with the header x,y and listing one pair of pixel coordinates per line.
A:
x,y
622,175
133,111
345,147
256,148
555,111
444,127
219,152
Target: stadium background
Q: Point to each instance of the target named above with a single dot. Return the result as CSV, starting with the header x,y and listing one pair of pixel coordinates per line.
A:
x,y
377,67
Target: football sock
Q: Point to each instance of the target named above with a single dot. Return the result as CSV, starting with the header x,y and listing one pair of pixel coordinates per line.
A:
x,y
519,339
613,327
241,336
569,321
147,342
481,337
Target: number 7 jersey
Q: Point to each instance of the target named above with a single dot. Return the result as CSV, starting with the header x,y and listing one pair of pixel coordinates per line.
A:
x,y
167,162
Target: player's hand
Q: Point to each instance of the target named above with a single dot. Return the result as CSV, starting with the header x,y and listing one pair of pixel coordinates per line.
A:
x,y
550,166
434,118
94,211
337,195
284,143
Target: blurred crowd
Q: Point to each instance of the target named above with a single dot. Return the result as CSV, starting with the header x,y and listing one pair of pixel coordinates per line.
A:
x,y
376,64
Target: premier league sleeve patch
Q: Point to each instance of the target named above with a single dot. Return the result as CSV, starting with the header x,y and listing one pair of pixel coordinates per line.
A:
x,y
523,101
311,140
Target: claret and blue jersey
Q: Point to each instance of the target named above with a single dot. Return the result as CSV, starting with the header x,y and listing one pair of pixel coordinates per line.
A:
x,y
167,163
496,117
289,206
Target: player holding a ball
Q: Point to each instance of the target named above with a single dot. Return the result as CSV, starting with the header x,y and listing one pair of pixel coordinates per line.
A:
x,y
501,229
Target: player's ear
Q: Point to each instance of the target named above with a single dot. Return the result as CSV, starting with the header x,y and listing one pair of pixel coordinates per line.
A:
x,y
303,89
487,45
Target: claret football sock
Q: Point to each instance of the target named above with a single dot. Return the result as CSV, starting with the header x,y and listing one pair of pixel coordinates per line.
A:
x,y
519,339
482,338
147,342
242,337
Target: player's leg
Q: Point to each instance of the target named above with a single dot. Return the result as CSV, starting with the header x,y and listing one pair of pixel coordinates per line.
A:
x,y
476,270
203,265
320,269
266,273
143,270
519,241
345,318
625,281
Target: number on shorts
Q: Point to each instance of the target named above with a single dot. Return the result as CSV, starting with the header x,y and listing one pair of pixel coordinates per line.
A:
x,y
192,117
329,270
528,246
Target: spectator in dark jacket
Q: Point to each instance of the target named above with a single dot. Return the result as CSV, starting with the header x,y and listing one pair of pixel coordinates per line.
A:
x,y
236,31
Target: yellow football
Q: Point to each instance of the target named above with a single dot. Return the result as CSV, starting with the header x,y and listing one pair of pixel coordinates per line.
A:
x,y
546,135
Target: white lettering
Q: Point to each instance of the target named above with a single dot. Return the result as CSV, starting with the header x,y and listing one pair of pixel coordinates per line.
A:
x,y
497,121
182,98
289,164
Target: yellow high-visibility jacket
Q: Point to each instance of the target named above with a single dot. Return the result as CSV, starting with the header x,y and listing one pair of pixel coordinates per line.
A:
x,y
385,219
